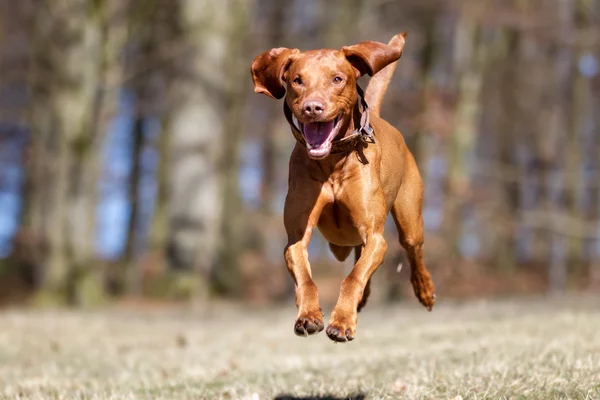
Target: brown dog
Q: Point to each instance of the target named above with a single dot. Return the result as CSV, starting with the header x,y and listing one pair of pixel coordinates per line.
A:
x,y
348,170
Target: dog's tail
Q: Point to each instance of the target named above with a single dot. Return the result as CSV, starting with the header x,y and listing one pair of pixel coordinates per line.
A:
x,y
380,81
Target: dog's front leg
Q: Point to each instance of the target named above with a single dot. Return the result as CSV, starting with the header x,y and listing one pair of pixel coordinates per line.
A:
x,y
303,206
342,324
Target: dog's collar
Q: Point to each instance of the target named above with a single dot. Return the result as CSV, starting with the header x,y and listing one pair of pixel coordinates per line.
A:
x,y
364,133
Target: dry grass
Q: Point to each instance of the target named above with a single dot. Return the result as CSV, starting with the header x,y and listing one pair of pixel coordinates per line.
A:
x,y
538,349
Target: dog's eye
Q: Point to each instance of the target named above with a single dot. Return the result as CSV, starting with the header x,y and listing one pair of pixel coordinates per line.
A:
x,y
337,80
298,81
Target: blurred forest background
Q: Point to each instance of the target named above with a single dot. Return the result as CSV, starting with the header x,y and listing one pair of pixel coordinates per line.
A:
x,y
136,161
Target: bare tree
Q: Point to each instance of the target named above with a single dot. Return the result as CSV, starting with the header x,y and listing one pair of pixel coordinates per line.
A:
x,y
205,130
469,56
72,101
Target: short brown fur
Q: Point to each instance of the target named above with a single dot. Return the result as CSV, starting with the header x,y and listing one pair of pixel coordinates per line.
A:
x,y
347,196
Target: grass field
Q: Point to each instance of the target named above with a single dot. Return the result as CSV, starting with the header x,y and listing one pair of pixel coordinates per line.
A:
x,y
536,349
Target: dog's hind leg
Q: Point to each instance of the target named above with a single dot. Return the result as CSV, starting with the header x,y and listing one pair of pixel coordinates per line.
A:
x,y
407,215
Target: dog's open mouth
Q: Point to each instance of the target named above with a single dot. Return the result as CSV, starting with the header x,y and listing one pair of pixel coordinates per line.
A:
x,y
319,135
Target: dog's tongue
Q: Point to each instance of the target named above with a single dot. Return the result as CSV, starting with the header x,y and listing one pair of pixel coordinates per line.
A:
x,y
316,133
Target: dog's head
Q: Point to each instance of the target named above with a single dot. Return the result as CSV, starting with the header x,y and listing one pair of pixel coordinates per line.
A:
x,y
321,85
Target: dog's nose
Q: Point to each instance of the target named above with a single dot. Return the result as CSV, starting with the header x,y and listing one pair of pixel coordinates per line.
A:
x,y
313,108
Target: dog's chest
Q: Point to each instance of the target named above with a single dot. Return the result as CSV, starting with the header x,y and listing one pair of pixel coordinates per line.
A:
x,y
337,223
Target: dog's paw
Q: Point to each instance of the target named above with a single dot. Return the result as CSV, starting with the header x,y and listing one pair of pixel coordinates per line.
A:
x,y
341,327
309,323
424,290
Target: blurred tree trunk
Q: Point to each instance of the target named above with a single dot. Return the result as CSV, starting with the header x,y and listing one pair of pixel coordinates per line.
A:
x,y
151,68
544,149
206,127
132,277
100,47
577,112
537,100
27,256
68,114
34,208
593,283
469,54
159,228
275,36
507,120
43,206
226,273
29,251
268,227
72,40
565,64
116,38
574,179
428,59
197,134
594,214
140,69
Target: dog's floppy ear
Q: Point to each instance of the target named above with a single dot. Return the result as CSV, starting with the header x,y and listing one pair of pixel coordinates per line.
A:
x,y
371,57
268,69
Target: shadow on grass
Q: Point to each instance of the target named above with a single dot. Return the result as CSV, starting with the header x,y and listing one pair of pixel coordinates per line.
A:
x,y
359,396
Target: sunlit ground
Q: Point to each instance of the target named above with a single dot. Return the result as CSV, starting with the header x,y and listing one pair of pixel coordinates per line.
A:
x,y
537,349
